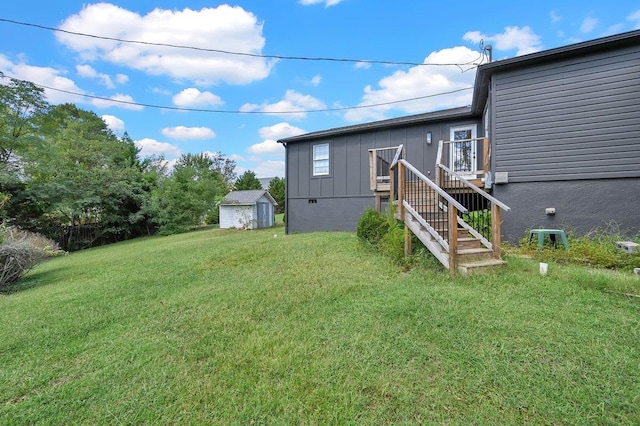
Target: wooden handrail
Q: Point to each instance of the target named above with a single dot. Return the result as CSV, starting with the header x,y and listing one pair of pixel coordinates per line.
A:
x,y
396,157
475,188
433,186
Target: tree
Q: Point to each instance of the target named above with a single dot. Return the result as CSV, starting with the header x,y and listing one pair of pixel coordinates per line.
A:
x,y
185,198
247,180
276,189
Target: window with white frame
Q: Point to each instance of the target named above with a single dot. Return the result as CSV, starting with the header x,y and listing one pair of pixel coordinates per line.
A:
x,y
321,159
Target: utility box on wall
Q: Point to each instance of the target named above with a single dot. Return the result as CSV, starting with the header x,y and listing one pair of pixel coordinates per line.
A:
x,y
628,246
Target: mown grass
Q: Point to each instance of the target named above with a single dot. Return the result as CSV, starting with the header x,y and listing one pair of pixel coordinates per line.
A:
x,y
229,327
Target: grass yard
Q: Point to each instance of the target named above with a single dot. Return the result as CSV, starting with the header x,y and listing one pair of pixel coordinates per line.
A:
x,y
229,327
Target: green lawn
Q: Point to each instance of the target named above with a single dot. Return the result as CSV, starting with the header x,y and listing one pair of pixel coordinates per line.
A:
x,y
242,327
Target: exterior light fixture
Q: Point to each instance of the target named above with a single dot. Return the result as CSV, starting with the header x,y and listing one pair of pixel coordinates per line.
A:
x,y
429,136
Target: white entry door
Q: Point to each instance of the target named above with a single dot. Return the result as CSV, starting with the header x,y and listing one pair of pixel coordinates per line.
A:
x,y
462,155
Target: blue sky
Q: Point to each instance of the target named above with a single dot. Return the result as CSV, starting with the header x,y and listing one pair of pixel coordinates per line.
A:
x,y
265,98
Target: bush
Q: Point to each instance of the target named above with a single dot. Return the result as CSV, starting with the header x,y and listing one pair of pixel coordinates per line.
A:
x,y
372,226
20,251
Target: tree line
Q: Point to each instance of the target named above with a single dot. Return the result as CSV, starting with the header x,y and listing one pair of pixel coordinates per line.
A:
x,y
66,175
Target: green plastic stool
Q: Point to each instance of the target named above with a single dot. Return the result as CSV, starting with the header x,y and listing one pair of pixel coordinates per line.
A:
x,y
542,232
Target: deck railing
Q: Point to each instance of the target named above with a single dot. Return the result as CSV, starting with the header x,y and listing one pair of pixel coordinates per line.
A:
x,y
380,161
429,205
467,157
483,220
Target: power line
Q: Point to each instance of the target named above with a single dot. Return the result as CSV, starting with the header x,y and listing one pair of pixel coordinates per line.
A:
x,y
219,111
228,52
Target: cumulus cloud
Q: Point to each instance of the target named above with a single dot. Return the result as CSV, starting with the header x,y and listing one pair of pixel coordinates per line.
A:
x,y
182,132
223,27
588,25
523,39
362,65
327,3
88,71
292,101
635,17
117,100
421,81
114,123
122,78
45,76
268,147
193,97
151,147
279,131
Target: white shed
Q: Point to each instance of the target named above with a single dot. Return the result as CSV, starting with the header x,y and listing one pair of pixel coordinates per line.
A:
x,y
248,210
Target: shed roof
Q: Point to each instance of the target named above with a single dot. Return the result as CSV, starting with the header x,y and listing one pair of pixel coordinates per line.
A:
x,y
246,198
384,124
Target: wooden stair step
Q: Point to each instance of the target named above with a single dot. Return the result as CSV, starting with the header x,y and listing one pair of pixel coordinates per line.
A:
x,y
479,265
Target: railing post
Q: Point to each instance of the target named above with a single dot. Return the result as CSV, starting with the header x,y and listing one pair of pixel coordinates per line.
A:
x,y
401,172
486,153
392,181
372,170
453,238
495,229
407,239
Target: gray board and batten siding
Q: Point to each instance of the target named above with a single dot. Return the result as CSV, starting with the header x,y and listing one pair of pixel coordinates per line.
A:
x,y
566,129
336,201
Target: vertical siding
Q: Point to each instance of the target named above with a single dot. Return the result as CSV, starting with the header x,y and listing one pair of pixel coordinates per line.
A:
x,y
572,119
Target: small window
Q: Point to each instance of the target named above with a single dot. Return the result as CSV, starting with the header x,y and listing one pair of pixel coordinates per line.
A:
x,y
321,159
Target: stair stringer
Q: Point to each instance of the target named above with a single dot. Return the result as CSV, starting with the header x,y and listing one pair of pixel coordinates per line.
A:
x,y
427,239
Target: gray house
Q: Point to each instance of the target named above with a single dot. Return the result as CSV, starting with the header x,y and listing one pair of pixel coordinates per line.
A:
x,y
247,210
554,135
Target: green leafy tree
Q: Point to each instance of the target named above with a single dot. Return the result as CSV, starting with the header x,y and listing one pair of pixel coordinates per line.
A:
x,y
184,199
276,189
247,180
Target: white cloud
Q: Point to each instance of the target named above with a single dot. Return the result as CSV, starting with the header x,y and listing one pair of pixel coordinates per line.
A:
x,y
362,65
316,80
193,97
269,168
182,132
151,147
280,130
588,25
523,39
45,76
554,16
292,101
114,123
268,147
635,17
223,27
88,71
122,78
421,81
117,100
327,3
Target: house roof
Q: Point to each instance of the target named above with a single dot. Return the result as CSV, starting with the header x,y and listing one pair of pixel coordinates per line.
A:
x,y
246,198
485,71
383,124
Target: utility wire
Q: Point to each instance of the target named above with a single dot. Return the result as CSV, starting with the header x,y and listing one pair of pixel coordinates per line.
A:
x,y
227,52
222,111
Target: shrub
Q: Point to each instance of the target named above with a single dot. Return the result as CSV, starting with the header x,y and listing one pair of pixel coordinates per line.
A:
x,y
372,226
20,251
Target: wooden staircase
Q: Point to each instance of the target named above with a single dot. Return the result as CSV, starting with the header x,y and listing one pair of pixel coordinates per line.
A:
x,y
471,254
455,234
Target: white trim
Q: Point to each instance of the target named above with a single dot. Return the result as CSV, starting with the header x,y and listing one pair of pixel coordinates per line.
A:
x,y
314,159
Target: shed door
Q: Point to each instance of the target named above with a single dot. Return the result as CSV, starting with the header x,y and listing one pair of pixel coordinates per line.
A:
x,y
263,215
